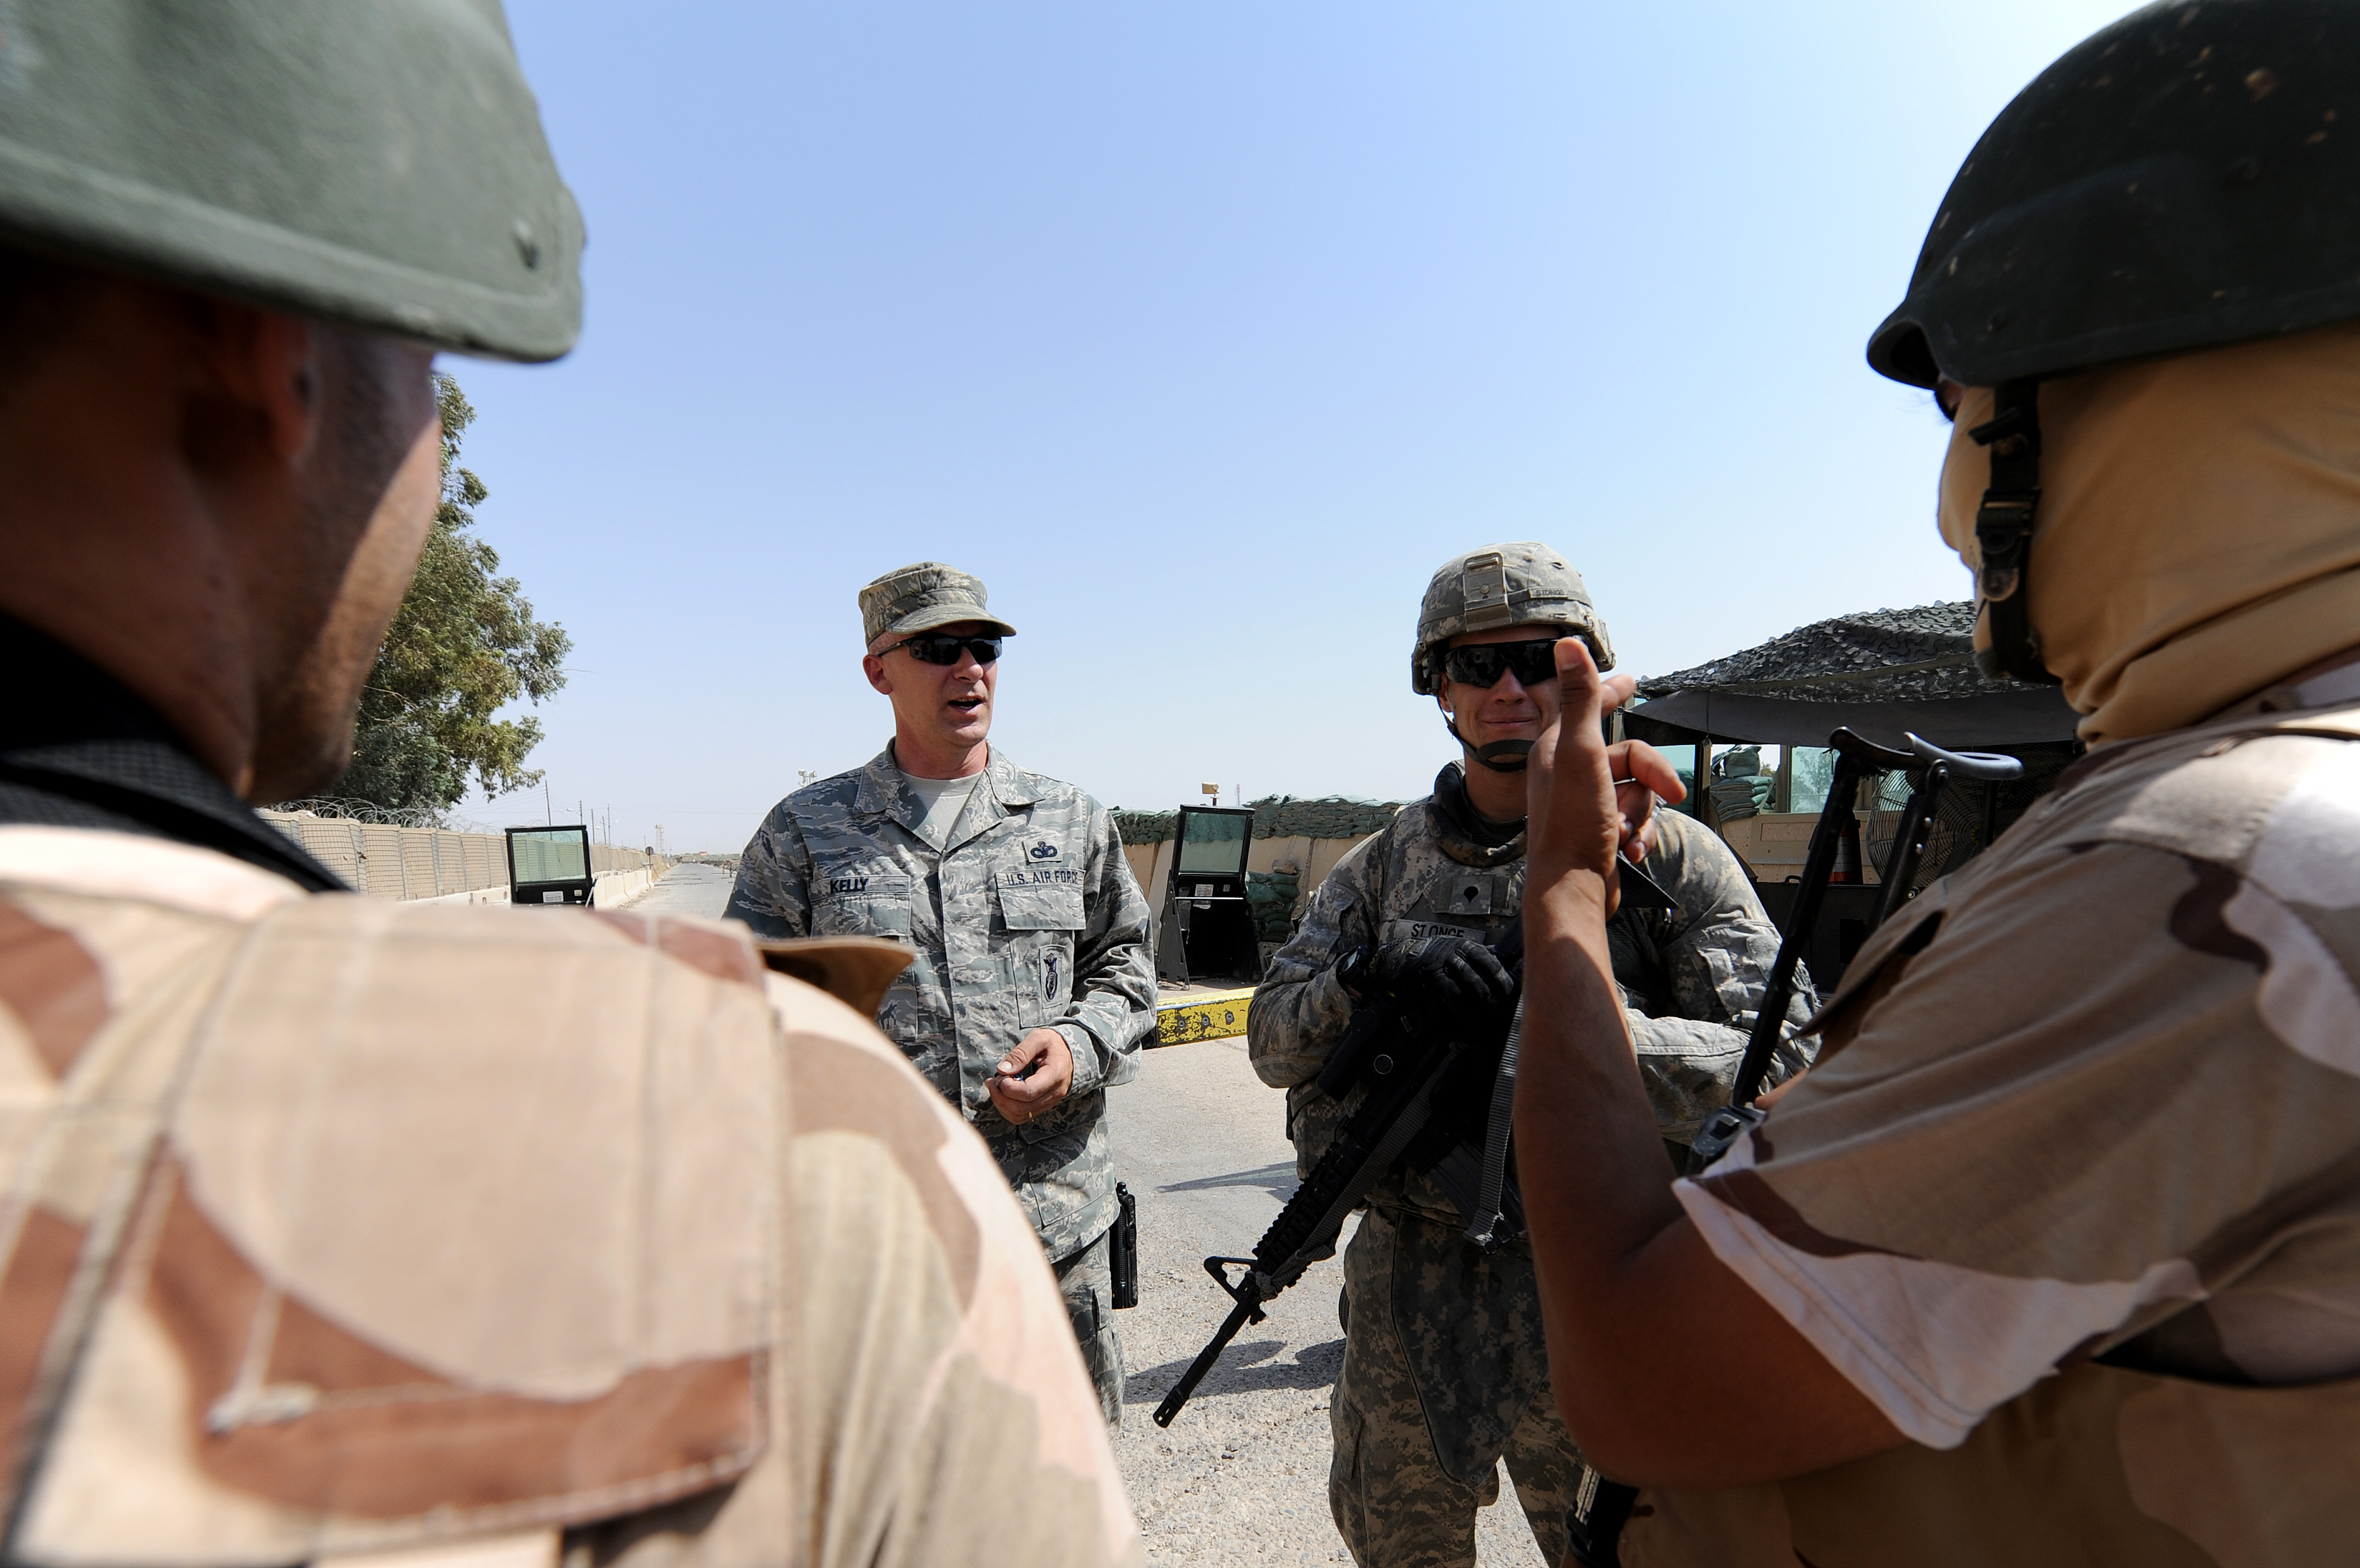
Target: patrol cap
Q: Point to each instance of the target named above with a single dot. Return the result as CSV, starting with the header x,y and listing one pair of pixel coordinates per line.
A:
x,y
1523,584
920,597
380,165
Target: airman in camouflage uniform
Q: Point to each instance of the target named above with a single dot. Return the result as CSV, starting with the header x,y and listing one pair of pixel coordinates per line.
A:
x,y
1445,1367
1023,916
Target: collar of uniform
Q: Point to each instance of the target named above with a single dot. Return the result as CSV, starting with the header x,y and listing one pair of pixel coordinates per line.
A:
x,y
78,748
880,793
1004,788
1011,785
1464,835
883,794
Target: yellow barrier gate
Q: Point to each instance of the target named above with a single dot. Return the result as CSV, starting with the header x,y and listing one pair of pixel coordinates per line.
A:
x,y
1210,1017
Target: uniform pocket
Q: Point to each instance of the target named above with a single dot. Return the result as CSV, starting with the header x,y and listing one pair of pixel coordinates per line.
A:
x,y
1041,917
862,904
1070,1118
1037,906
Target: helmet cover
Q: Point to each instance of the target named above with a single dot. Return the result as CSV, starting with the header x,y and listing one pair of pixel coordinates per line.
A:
x,y
1524,584
379,166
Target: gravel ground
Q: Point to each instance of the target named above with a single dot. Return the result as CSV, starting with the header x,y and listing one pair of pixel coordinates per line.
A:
x,y
1241,1476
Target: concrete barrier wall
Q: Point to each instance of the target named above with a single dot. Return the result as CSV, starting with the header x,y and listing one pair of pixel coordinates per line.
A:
x,y
442,866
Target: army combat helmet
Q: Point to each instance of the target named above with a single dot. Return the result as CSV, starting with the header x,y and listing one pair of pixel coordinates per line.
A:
x,y
2181,180
379,166
1524,584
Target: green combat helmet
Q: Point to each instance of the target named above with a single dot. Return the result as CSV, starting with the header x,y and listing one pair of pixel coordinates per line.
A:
x,y
1524,584
381,166
2179,180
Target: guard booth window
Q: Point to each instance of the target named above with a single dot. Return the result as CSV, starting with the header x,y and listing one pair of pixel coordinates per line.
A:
x,y
1204,928
550,865
1214,841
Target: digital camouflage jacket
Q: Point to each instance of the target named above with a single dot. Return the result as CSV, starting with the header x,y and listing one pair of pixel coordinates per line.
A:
x,y
1691,977
1025,916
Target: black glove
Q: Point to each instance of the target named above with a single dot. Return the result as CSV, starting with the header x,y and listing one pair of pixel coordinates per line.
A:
x,y
1443,982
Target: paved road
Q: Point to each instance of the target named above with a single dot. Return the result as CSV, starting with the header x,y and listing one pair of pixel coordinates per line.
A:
x,y
1241,1476
691,887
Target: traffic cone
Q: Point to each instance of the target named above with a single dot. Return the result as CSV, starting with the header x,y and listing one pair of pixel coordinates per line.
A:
x,y
1847,851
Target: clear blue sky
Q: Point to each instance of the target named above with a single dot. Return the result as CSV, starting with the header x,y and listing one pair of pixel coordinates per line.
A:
x,y
1204,333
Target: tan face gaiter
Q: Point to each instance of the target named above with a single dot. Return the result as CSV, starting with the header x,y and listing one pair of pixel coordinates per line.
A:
x,y
2198,534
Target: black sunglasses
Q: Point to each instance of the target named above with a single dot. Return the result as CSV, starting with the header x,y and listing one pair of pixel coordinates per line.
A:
x,y
941,648
1482,664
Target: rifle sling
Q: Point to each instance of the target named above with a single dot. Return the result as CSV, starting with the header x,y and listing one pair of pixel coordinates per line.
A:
x,y
1485,1230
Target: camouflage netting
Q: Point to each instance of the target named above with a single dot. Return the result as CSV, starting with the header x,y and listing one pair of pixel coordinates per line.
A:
x,y
1878,655
1276,816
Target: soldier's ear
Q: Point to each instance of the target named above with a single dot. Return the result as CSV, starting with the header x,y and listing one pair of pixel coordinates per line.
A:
x,y
874,668
265,376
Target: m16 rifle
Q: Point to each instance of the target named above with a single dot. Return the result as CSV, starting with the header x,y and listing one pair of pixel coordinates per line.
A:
x,y
1435,1093
1601,1506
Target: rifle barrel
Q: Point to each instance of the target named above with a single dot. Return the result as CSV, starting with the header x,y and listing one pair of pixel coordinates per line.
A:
x,y
1206,1357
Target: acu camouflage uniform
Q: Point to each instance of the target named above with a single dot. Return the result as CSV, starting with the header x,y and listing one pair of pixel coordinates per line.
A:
x,y
1445,1367
1024,916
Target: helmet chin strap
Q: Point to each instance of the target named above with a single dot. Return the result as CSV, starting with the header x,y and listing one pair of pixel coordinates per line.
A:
x,y
1500,756
2004,532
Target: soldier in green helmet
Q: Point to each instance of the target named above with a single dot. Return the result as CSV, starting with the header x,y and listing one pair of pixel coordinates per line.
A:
x,y
331,1225
1445,1369
2054,1258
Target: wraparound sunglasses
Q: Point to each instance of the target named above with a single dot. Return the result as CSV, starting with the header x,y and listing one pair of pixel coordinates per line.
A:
x,y
941,648
1482,664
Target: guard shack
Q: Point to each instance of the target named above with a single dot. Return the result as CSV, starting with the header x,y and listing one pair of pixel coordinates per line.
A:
x,y
1204,928
550,865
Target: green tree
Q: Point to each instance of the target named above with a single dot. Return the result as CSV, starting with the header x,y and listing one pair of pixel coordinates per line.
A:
x,y
464,645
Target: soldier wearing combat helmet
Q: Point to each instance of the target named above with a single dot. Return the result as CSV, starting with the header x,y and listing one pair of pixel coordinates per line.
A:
x,y
1445,1370
2055,1256
330,1225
